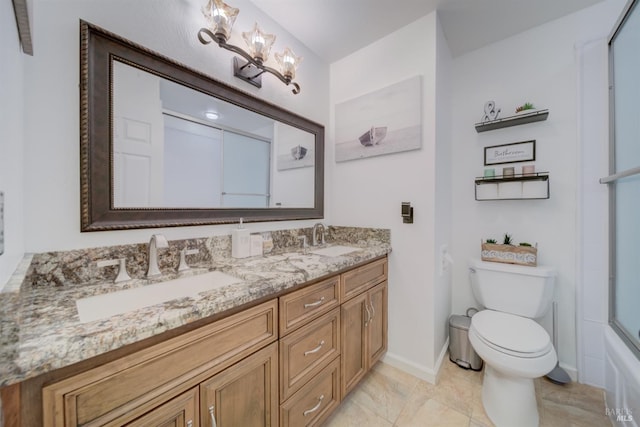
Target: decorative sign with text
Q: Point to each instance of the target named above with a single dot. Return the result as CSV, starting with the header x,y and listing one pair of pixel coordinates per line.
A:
x,y
510,153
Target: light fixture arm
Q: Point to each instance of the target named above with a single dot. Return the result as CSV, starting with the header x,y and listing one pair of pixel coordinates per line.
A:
x,y
220,40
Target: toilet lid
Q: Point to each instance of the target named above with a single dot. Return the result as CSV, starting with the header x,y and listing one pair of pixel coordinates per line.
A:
x,y
511,334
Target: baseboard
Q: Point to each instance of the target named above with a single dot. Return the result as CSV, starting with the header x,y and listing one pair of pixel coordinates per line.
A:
x,y
431,375
444,351
571,371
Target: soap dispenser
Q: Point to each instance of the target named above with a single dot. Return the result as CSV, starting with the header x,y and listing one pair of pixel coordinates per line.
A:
x,y
240,242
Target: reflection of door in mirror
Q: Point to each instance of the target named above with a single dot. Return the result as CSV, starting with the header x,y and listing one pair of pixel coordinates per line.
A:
x,y
173,159
137,138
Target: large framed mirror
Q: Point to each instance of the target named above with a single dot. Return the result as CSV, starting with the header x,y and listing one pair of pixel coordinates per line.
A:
x,y
164,145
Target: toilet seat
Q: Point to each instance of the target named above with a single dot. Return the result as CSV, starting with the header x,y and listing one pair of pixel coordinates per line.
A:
x,y
510,334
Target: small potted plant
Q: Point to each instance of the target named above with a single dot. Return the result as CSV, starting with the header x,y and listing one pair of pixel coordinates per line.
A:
x,y
527,107
507,252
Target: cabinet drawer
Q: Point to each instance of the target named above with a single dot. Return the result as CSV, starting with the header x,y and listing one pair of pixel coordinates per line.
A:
x,y
299,307
314,402
304,352
362,278
110,391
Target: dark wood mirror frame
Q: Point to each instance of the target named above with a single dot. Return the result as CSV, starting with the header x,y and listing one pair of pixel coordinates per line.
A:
x,y
98,47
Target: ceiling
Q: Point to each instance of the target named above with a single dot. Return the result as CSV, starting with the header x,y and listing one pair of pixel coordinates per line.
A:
x,y
334,29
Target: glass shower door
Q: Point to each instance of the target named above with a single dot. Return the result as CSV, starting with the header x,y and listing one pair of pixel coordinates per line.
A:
x,y
624,182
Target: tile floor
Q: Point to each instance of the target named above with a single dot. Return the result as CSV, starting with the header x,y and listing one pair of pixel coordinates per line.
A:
x,y
390,397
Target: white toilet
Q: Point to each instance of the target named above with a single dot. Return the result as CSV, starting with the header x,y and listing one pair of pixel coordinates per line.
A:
x,y
515,348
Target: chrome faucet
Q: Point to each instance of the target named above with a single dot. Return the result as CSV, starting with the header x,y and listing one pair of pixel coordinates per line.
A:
x,y
314,234
157,241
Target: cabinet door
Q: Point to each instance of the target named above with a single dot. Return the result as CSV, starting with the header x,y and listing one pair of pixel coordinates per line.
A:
x,y
353,324
181,411
246,394
377,326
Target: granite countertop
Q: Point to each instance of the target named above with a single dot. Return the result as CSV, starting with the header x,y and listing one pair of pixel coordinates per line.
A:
x,y
40,329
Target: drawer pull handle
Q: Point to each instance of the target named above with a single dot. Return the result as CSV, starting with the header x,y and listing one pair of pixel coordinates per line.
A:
x,y
315,350
373,309
190,423
212,412
315,408
314,304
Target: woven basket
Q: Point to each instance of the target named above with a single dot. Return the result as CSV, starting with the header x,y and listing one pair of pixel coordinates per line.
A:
x,y
521,255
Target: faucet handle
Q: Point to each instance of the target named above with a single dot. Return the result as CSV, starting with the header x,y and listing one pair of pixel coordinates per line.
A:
x,y
303,240
183,262
122,275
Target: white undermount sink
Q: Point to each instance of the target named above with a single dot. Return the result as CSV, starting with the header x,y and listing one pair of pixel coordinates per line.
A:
x,y
336,250
107,305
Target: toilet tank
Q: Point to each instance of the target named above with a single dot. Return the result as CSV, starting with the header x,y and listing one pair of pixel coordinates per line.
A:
x,y
521,290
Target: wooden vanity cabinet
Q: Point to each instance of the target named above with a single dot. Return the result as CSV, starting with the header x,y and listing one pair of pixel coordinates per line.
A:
x,y
364,331
134,386
324,354
237,371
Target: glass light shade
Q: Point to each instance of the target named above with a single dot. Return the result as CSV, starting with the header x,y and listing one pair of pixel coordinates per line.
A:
x,y
288,62
259,43
220,17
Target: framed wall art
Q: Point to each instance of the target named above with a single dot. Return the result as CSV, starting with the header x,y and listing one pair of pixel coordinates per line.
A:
x,y
382,122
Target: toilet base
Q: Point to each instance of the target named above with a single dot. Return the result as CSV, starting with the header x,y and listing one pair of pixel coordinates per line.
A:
x,y
508,400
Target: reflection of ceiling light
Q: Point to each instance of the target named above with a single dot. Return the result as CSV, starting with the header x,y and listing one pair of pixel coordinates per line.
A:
x,y
211,115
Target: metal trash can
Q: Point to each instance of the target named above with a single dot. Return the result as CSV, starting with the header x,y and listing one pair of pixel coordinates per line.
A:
x,y
461,351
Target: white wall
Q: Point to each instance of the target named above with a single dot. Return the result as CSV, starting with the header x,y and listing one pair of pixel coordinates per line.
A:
x,y
442,272
52,188
538,66
593,271
369,192
11,140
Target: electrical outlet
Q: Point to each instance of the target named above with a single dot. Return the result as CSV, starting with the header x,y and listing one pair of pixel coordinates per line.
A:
x,y
443,261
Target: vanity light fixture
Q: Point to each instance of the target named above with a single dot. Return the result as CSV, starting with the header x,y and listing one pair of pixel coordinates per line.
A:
x,y
220,18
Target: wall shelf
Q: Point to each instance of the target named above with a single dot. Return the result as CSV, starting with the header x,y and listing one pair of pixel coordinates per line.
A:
x,y
518,187
518,119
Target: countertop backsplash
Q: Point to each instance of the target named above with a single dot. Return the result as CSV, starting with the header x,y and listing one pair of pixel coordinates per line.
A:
x,y
79,267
